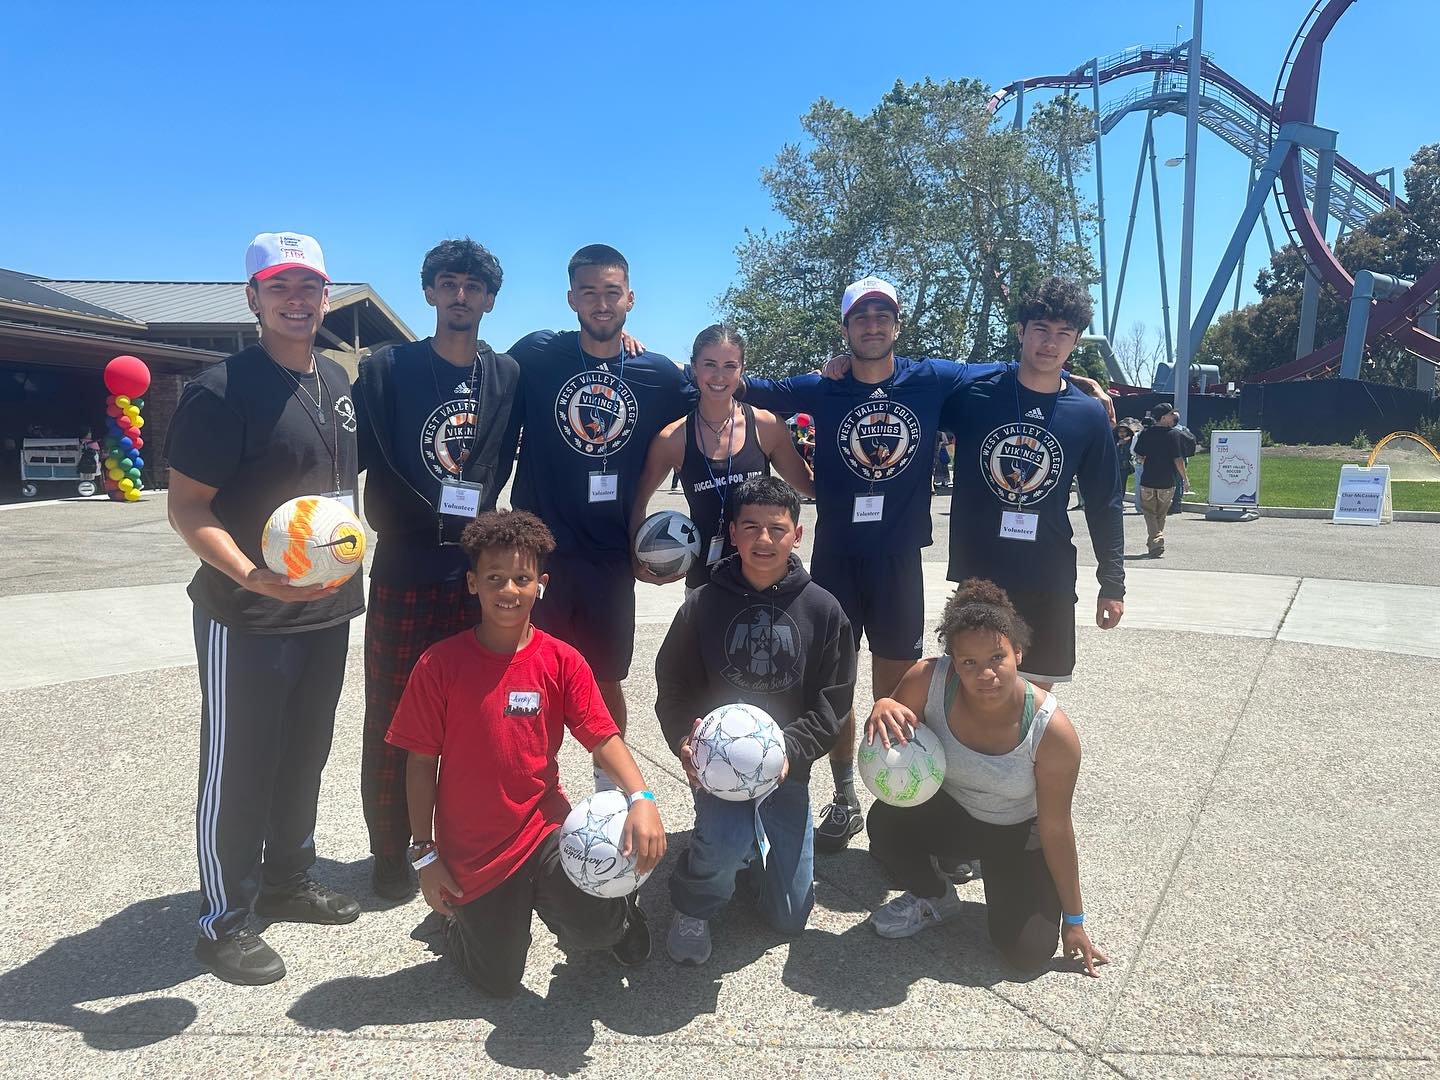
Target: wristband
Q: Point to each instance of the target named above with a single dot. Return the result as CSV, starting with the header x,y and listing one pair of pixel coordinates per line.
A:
x,y
1073,920
426,859
636,796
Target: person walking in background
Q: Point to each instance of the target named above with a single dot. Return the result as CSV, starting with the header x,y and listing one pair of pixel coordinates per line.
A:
x,y
1124,445
1162,466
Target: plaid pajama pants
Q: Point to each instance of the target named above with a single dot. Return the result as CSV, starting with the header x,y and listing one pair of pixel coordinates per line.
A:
x,y
401,622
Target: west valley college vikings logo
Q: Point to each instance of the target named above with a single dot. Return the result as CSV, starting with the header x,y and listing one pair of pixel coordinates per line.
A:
x,y
764,653
878,438
1021,462
596,413
447,435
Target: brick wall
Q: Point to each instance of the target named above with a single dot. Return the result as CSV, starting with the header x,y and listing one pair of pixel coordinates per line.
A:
x,y
160,402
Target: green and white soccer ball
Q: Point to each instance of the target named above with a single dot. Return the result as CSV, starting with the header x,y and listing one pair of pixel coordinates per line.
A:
x,y
590,846
904,775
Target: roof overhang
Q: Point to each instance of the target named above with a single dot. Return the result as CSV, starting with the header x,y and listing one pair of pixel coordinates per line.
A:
x,y
50,346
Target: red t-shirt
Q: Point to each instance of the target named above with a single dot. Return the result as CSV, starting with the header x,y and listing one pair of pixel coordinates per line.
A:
x,y
496,723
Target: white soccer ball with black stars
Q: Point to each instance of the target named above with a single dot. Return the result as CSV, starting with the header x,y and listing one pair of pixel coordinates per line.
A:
x,y
590,847
906,774
667,543
738,751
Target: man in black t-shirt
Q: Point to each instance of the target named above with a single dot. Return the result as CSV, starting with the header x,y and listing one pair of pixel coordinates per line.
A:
x,y
436,448
269,424
1162,459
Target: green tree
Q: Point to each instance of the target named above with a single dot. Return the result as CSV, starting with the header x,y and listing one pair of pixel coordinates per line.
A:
x,y
928,193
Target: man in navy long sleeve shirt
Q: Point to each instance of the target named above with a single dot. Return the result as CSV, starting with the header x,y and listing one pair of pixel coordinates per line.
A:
x,y
1021,435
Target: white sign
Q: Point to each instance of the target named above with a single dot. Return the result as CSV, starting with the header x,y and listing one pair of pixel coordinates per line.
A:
x,y
1363,497
1234,468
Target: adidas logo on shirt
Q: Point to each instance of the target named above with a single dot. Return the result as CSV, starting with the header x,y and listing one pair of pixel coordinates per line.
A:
x,y
878,392
462,388
1035,414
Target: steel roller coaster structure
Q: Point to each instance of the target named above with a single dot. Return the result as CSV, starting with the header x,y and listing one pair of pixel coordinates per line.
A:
x,y
1290,157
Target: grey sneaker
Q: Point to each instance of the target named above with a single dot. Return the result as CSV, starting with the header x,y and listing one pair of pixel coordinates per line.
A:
x,y
689,940
908,914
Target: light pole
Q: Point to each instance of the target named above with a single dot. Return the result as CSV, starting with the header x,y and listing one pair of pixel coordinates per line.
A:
x,y
1187,229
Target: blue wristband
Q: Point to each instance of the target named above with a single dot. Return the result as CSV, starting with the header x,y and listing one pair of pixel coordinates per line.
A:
x,y
636,796
1073,920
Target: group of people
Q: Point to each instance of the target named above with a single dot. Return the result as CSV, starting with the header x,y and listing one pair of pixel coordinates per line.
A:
x,y
489,632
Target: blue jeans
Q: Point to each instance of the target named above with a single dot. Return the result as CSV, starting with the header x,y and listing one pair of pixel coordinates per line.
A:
x,y
724,842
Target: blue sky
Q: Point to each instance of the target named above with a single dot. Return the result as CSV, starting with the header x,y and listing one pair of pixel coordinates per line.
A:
x,y
153,140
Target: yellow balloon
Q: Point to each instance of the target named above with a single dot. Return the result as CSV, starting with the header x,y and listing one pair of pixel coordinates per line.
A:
x,y
132,411
122,401
138,421
126,484
132,495
115,474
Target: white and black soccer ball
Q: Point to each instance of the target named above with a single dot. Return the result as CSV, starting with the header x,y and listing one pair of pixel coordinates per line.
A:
x,y
590,847
667,543
904,775
738,752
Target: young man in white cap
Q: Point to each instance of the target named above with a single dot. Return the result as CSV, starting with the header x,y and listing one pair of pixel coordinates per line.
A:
x,y
271,423
876,427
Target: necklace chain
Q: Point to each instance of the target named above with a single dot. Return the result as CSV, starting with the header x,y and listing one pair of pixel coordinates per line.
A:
x,y
295,380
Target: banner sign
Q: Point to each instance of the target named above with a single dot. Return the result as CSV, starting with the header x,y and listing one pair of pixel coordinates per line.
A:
x,y
1234,468
1363,496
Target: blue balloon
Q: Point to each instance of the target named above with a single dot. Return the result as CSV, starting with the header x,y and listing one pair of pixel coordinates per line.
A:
x,y
138,460
126,443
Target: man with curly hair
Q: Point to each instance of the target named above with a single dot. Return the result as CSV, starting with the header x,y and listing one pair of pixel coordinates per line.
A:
x,y
434,445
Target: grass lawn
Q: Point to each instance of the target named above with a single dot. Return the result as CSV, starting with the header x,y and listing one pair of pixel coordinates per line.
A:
x,y
1300,481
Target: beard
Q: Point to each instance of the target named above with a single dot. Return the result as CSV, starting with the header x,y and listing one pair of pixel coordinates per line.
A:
x,y
605,331
870,351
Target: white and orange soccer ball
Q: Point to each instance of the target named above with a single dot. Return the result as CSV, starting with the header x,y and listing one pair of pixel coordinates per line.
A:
x,y
314,540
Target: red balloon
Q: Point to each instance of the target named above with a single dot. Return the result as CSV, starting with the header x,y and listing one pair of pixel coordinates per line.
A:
x,y
138,441
127,375
113,410
802,420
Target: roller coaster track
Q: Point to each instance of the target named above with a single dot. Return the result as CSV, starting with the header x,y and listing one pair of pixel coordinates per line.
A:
x,y
1247,122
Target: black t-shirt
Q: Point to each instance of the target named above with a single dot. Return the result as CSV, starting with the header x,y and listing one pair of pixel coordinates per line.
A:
x,y
245,428
1159,445
710,487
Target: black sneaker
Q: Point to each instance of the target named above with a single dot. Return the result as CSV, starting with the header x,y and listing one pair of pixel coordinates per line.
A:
x,y
956,871
838,823
392,879
243,958
308,902
633,948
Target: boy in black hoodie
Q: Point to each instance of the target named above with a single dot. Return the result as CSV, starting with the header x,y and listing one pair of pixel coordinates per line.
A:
x,y
761,632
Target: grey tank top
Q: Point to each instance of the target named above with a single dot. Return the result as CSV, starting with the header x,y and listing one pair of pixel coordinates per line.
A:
x,y
997,788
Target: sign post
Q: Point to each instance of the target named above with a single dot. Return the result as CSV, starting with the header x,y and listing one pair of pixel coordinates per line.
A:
x,y
1235,469
1363,496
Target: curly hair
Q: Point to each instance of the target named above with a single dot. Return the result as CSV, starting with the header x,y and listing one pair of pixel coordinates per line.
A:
x,y
1059,300
982,605
513,530
461,257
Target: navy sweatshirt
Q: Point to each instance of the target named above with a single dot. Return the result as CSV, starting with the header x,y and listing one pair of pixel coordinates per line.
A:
x,y
584,415
871,438
788,650
1017,449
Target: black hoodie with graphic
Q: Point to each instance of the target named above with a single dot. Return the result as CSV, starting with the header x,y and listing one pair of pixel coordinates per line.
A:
x,y
787,649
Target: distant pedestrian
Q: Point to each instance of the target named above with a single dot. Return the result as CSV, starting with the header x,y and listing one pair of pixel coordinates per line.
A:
x,y
1162,459
1124,443
1189,445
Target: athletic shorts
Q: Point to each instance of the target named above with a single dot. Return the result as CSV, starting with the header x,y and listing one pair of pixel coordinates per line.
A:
x,y
883,596
590,604
1051,618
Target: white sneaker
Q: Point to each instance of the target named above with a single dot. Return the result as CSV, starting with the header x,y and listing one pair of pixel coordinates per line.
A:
x,y
603,781
908,914
689,940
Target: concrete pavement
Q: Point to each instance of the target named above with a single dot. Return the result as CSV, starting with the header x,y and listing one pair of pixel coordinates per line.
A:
x,y
1261,757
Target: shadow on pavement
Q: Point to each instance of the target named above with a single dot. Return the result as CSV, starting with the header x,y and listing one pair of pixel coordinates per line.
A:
x,y
141,949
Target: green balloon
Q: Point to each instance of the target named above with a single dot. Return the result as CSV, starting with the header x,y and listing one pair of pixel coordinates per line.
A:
x,y
133,473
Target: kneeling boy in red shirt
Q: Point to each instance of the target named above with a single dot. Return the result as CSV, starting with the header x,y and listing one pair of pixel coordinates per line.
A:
x,y
488,709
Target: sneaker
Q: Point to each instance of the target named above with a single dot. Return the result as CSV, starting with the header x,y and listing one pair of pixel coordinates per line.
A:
x,y
908,914
689,940
243,958
307,902
392,879
634,947
838,823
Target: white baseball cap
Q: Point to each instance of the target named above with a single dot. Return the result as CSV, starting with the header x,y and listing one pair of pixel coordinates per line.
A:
x,y
271,252
865,289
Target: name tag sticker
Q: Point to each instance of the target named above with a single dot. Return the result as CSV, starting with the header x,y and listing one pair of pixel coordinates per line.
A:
x,y
1018,525
717,548
604,487
868,508
346,497
460,498
523,703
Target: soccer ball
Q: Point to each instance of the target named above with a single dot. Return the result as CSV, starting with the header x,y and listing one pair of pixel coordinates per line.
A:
x,y
590,843
667,543
904,775
314,540
739,752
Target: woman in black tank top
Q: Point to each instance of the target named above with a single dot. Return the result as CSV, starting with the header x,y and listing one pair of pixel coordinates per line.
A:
x,y
717,447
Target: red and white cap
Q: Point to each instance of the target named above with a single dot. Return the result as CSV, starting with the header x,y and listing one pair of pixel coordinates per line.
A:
x,y
271,252
865,289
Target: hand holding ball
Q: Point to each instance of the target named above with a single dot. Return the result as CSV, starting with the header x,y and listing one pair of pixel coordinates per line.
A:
x,y
314,540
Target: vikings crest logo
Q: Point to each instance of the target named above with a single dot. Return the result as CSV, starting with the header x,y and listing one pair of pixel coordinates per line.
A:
x,y
1021,463
446,437
878,438
596,413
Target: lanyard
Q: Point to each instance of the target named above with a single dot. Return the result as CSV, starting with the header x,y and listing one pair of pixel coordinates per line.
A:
x,y
729,463
1020,419
473,401
584,367
293,384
